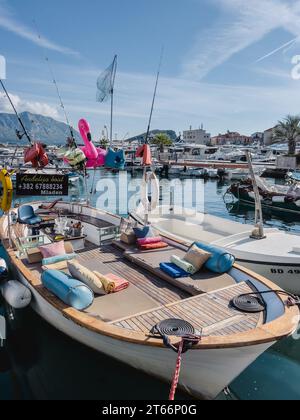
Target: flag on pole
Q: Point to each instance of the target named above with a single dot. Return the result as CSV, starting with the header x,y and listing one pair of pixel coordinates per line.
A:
x,y
106,81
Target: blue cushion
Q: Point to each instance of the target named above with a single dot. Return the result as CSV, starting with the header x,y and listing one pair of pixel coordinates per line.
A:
x,y
220,262
145,232
58,259
115,160
72,292
173,271
33,221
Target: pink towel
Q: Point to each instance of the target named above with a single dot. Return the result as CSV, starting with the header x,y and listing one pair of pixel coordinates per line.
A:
x,y
121,284
149,241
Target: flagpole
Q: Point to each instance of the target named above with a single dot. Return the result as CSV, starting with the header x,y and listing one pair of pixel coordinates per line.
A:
x,y
113,78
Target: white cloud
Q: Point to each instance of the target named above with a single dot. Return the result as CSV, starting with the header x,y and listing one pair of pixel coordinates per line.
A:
x,y
29,106
9,22
243,24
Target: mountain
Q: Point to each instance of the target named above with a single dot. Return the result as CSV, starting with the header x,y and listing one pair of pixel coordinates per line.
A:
x,y
40,128
173,136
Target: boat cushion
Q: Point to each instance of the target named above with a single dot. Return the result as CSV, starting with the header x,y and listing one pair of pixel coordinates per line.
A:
x,y
53,250
58,259
87,276
173,270
35,256
184,265
72,292
142,233
220,262
116,306
203,282
197,257
156,246
149,241
34,221
27,216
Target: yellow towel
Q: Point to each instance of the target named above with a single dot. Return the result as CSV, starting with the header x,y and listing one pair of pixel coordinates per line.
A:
x,y
109,286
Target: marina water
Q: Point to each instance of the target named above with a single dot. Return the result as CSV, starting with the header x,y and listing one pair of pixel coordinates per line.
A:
x,y
45,364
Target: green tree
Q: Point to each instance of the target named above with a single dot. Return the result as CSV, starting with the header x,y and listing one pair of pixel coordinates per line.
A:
x,y
104,143
162,140
288,131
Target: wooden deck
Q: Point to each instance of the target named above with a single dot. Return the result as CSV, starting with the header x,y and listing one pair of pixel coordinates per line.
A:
x,y
109,259
210,314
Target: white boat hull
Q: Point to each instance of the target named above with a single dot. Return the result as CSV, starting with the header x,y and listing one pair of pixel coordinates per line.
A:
x,y
286,277
205,373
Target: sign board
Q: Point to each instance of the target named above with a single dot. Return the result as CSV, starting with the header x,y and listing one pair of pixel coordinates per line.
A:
x,y
42,185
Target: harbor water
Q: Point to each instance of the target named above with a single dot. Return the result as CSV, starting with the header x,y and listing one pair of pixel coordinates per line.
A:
x,y
42,363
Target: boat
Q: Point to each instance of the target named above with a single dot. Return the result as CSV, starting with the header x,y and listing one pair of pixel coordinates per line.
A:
x,y
213,173
276,257
241,174
294,176
120,325
282,198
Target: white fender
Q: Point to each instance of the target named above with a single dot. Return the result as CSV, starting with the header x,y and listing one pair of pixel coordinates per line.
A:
x,y
150,178
16,295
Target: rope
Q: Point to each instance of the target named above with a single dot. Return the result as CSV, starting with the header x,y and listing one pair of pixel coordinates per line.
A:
x,y
177,372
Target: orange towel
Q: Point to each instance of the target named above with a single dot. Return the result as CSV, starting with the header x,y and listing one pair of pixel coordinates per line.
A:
x,y
120,284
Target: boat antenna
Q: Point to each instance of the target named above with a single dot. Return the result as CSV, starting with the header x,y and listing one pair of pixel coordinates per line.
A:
x,y
18,116
56,87
258,232
154,96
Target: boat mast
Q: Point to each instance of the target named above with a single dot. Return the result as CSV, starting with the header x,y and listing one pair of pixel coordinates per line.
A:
x,y
113,79
146,220
258,232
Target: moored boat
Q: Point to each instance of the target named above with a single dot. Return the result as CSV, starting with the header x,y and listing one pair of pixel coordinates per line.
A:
x,y
120,324
278,198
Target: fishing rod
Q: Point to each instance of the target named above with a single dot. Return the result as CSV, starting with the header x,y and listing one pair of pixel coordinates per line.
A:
x,y
18,116
56,87
154,96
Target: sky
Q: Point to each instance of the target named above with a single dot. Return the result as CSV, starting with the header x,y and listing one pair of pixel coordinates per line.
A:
x,y
229,64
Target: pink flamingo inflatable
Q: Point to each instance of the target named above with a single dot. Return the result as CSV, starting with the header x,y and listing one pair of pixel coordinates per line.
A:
x,y
95,156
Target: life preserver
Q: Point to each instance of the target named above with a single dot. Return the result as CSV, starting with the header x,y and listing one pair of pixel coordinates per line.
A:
x,y
7,190
150,178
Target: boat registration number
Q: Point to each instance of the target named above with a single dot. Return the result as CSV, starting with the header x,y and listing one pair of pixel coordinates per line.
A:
x,y
281,271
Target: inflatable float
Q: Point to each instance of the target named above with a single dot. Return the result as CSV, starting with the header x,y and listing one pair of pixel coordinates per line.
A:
x,y
95,156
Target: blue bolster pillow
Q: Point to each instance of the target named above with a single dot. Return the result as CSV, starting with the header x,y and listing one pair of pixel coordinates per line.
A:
x,y
58,259
72,292
220,262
